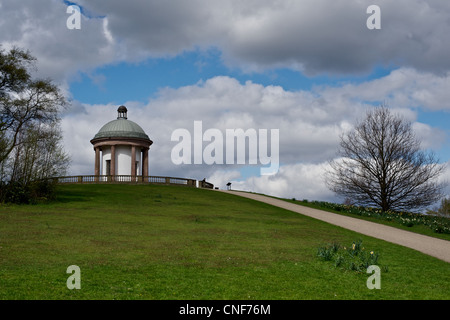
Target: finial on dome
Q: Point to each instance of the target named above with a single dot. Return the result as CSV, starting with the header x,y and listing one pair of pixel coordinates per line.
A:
x,y
122,112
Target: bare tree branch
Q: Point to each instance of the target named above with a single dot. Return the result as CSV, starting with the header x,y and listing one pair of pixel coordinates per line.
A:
x,y
381,164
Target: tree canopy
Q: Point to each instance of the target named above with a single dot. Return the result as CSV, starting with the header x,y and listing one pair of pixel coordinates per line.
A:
x,y
30,133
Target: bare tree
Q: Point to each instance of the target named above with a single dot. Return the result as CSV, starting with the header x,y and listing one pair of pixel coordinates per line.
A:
x,y
382,164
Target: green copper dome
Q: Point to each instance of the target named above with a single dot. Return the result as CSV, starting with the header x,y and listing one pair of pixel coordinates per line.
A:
x,y
121,128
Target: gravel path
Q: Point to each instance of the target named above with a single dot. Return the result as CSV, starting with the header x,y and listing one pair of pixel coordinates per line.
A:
x,y
431,246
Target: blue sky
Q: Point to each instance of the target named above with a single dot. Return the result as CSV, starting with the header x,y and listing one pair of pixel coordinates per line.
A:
x,y
309,68
144,79
140,81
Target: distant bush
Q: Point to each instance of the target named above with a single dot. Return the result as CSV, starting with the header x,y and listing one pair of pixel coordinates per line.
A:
x,y
27,193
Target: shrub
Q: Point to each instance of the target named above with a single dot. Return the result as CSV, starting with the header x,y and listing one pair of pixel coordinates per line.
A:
x,y
353,258
27,193
327,253
15,192
42,190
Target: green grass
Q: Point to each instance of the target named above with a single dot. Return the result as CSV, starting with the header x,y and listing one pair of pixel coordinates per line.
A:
x,y
169,242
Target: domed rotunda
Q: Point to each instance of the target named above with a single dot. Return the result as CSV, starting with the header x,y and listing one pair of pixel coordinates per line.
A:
x,y
121,147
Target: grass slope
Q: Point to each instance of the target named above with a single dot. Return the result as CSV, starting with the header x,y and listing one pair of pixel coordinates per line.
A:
x,y
168,242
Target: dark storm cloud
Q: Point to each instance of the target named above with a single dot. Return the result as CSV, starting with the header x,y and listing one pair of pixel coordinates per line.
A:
x,y
312,36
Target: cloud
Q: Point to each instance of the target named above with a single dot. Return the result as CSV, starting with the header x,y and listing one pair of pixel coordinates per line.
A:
x,y
308,129
40,26
220,178
309,123
445,178
300,181
403,88
312,36
431,138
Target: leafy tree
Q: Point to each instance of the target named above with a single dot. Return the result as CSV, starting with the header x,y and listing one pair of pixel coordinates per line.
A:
x,y
30,135
14,67
382,164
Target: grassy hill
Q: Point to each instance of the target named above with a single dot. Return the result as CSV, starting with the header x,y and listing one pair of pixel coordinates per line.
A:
x,y
169,242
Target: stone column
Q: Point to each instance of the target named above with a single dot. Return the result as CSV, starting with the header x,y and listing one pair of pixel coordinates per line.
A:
x,y
113,161
97,163
133,163
145,162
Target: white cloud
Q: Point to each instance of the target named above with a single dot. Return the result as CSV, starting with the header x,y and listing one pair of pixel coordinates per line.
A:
x,y
40,26
220,178
300,181
311,35
309,124
445,178
308,131
403,88
432,138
